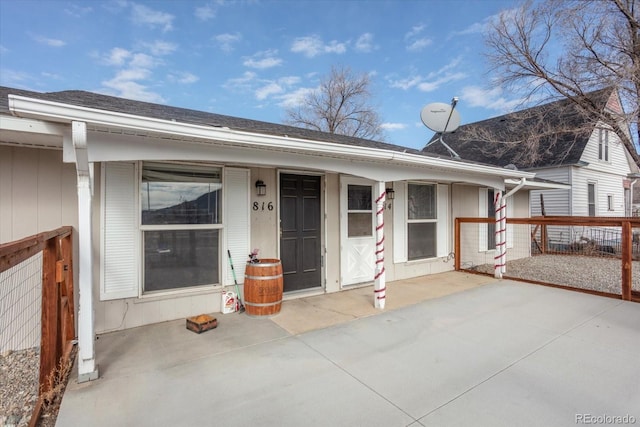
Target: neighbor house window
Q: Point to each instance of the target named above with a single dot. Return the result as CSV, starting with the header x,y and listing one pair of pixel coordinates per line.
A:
x,y
491,213
422,221
610,202
360,211
180,223
591,198
603,145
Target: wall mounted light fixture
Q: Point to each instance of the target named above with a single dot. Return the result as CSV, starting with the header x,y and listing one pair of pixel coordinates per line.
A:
x,y
390,193
261,188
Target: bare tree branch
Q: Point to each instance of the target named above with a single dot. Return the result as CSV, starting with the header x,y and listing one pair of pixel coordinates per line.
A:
x,y
341,104
599,45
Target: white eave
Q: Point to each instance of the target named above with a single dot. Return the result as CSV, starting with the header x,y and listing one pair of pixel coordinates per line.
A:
x,y
30,132
537,185
66,113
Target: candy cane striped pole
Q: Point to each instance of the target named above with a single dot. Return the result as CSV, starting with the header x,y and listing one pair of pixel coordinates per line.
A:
x,y
500,234
379,290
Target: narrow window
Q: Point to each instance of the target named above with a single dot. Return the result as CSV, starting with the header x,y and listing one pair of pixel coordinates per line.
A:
x,y
360,211
610,202
591,198
491,213
422,221
603,145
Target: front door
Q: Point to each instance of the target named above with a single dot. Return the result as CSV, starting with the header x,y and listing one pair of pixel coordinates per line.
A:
x,y
300,238
357,231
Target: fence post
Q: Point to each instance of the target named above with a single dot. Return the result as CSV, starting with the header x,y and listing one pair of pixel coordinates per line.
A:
x,y
627,240
49,337
456,248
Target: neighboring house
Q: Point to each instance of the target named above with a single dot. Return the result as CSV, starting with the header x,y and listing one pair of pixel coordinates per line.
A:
x,y
559,144
158,194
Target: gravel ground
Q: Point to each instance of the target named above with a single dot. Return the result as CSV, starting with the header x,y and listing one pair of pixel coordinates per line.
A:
x,y
18,386
584,272
19,371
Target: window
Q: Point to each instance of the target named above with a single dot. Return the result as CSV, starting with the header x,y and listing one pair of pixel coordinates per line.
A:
x,y
591,199
180,222
422,221
491,213
603,144
360,211
610,202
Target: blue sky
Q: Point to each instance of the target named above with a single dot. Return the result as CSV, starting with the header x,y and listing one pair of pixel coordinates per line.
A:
x,y
255,58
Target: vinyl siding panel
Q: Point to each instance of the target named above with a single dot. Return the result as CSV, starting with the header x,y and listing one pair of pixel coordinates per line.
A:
x,y
556,202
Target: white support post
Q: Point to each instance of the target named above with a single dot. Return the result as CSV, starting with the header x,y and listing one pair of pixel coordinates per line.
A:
x,y
87,368
500,235
379,291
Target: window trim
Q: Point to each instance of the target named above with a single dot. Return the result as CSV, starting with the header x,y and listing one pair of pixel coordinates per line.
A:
x,y
591,184
179,227
421,220
603,145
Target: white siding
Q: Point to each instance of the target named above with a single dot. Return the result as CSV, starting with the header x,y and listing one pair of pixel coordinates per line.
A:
x,y
120,248
444,223
556,202
37,192
400,222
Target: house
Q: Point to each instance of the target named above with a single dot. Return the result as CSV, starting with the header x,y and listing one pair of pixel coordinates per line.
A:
x,y
158,194
560,144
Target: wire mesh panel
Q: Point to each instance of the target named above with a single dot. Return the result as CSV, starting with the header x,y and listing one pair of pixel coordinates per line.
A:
x,y
584,255
21,305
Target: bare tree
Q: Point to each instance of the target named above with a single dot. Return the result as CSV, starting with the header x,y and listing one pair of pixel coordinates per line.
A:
x,y
567,48
341,105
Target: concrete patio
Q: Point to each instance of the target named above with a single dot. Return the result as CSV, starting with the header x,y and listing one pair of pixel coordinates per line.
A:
x,y
449,349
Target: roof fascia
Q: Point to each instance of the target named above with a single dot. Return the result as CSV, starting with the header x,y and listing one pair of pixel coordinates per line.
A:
x,y
66,113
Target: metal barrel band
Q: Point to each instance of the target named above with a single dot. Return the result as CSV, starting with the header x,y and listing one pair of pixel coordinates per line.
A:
x,y
262,304
262,277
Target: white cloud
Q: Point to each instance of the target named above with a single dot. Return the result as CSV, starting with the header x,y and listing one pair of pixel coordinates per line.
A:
x,y
241,83
143,15
393,126
365,43
414,31
77,11
311,46
142,60
226,41
160,47
183,77
407,83
117,56
205,12
295,98
49,42
268,90
132,90
262,60
492,99
12,78
435,84
419,44
3,49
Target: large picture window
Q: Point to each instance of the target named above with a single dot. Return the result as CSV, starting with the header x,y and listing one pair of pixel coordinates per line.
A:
x,y
422,221
181,209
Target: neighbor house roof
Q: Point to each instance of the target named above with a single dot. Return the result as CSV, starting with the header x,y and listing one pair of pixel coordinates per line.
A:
x,y
556,134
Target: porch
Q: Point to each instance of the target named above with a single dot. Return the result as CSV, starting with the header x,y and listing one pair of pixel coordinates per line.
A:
x,y
450,349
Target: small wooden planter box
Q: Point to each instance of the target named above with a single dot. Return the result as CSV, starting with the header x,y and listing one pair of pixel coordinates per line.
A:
x,y
201,323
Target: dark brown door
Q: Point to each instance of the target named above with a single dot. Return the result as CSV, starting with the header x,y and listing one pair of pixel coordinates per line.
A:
x,y
300,231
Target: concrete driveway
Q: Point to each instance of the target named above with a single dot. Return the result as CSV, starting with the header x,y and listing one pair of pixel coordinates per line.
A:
x,y
500,354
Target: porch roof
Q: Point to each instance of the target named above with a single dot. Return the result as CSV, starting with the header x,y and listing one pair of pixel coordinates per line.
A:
x,y
153,131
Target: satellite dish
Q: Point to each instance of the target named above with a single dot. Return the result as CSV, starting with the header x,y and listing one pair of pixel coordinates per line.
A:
x,y
440,117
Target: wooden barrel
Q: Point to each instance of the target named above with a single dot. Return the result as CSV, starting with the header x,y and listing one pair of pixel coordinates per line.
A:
x,y
263,287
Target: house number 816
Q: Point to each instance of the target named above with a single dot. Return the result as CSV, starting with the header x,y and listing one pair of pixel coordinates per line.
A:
x,y
260,207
